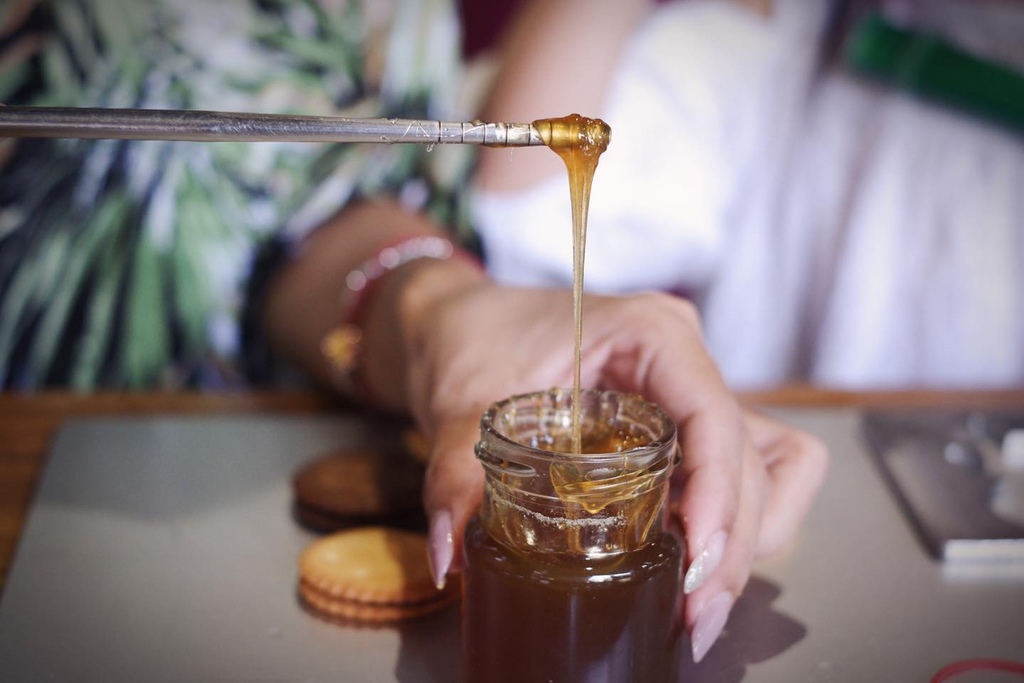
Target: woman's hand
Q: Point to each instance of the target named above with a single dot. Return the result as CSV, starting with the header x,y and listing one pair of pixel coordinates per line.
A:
x,y
745,481
444,342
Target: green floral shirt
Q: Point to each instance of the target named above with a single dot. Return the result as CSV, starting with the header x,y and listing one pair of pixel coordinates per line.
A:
x,y
130,264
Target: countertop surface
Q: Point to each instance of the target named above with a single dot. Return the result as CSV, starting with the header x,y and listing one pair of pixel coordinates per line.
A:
x,y
160,546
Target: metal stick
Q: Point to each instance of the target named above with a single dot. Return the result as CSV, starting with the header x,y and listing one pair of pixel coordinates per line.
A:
x,y
170,124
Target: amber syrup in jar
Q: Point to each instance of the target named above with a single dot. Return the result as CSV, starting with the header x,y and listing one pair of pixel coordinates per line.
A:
x,y
568,575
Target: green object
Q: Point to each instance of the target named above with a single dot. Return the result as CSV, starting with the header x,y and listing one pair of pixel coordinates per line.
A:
x,y
928,66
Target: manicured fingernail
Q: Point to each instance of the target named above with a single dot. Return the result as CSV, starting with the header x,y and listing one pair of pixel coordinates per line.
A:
x,y
441,547
705,563
709,625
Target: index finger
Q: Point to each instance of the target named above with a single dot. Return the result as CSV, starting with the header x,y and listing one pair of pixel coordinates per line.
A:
x,y
453,490
663,357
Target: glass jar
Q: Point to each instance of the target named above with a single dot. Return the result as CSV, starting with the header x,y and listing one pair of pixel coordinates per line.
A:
x,y
568,574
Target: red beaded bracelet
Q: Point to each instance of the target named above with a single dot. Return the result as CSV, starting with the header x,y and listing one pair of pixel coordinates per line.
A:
x,y
342,346
956,668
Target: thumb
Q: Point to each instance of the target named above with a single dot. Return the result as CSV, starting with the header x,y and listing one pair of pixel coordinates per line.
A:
x,y
453,491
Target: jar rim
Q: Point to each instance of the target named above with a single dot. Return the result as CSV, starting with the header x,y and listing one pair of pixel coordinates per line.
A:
x,y
561,399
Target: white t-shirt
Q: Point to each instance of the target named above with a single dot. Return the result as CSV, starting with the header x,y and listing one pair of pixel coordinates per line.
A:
x,y
830,230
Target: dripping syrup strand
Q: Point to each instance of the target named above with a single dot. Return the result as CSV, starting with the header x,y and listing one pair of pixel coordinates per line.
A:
x,y
579,141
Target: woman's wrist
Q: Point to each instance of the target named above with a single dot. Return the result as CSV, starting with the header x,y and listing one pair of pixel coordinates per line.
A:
x,y
310,297
343,345
397,318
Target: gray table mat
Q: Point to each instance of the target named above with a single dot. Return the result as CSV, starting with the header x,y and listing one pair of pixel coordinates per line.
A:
x,y
163,549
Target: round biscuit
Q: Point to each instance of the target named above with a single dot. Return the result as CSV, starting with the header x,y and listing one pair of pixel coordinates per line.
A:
x,y
320,521
361,482
370,564
324,522
333,608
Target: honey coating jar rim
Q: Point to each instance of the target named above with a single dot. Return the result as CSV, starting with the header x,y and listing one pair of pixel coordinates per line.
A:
x,y
560,399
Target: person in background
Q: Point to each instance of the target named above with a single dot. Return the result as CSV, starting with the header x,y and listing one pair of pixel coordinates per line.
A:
x,y
146,265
